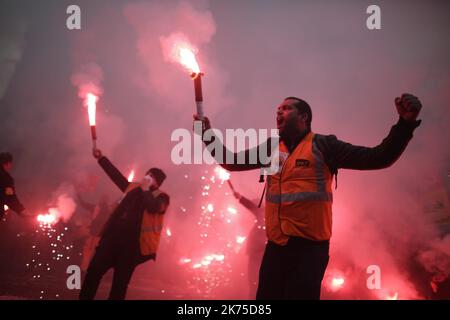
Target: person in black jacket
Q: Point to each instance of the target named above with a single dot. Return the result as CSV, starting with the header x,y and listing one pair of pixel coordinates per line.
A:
x,y
8,194
125,240
293,266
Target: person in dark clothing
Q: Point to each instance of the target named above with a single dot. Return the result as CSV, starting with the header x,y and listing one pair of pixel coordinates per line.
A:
x,y
131,234
255,242
8,196
299,195
100,214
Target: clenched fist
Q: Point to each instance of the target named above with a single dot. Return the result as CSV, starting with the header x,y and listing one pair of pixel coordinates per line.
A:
x,y
408,107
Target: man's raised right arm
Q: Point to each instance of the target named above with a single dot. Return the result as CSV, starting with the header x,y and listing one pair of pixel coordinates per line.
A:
x,y
248,159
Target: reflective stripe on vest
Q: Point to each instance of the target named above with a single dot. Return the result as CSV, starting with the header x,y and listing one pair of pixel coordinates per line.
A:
x,y
299,197
151,228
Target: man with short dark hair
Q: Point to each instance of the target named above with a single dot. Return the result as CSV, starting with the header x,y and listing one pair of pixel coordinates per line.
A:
x,y
8,196
299,196
132,233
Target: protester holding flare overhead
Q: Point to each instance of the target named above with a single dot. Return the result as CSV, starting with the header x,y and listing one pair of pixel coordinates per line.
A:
x,y
131,234
298,213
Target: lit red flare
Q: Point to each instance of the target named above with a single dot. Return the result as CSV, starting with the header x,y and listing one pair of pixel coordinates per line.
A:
x,y
91,101
186,57
131,176
335,280
184,53
47,218
222,174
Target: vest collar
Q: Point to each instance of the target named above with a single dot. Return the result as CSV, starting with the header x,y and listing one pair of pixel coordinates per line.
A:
x,y
292,142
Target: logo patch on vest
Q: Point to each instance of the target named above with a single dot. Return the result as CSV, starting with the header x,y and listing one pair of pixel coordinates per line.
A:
x,y
301,163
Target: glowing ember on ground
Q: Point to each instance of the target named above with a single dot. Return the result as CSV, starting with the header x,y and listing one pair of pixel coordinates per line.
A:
x,y
337,283
168,232
392,297
231,210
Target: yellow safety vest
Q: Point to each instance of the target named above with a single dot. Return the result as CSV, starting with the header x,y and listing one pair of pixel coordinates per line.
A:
x,y
299,196
151,228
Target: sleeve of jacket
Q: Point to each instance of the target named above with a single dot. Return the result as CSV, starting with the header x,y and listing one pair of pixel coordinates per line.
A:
x,y
11,199
248,159
113,173
339,154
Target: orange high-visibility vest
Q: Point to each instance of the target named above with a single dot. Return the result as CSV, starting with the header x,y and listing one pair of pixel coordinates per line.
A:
x,y
299,196
151,228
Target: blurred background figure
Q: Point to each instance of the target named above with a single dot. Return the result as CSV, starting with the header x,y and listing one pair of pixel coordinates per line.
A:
x,y
99,215
256,241
8,196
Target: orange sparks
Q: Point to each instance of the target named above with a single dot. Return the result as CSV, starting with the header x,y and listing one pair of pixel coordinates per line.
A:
x,y
91,101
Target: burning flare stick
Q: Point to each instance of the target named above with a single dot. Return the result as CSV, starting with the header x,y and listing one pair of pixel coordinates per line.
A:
x,y
224,175
187,59
131,176
197,77
91,100
231,186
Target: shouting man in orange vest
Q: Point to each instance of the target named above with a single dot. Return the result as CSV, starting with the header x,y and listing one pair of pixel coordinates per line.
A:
x,y
131,235
298,211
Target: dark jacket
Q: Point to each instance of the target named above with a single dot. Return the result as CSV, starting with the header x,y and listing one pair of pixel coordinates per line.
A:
x,y
124,225
339,154
8,194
